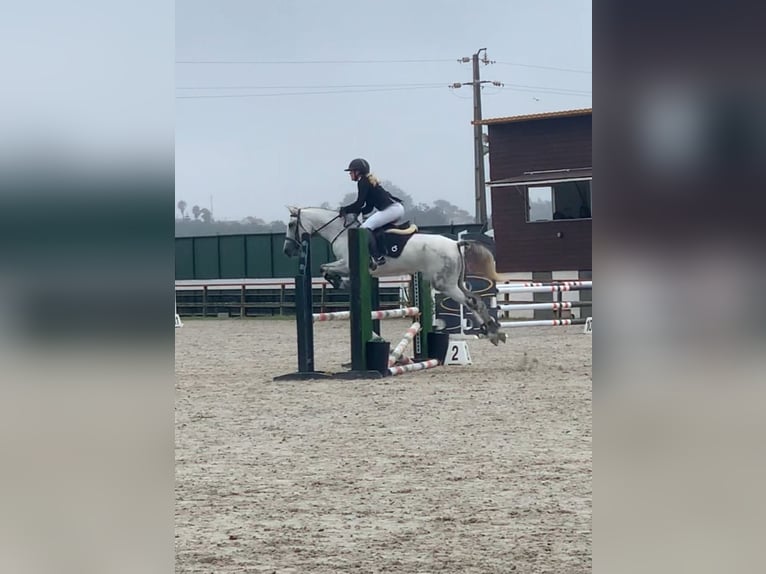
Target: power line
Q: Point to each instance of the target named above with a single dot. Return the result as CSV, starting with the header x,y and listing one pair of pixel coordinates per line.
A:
x,y
325,86
454,93
523,87
388,89
553,92
513,87
196,97
298,62
573,70
392,61
545,88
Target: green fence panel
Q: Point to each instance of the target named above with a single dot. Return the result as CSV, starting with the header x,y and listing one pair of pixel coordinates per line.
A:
x,y
206,258
231,250
284,266
185,258
259,256
320,254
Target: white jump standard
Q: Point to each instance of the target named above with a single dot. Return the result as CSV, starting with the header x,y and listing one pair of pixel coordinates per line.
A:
x,y
361,315
554,306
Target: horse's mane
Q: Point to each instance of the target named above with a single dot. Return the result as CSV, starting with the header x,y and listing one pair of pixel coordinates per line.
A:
x,y
319,209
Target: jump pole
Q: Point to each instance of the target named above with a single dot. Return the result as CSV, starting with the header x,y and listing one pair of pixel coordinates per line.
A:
x,y
396,354
375,301
544,323
374,315
361,303
360,309
304,319
421,298
400,369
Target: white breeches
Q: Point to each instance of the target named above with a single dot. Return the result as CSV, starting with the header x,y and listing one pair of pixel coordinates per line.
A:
x,y
389,215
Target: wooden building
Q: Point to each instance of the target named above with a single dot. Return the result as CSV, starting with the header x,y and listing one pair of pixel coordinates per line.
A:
x,y
540,174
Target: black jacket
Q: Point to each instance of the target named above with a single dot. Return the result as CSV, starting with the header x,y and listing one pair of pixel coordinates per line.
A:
x,y
370,197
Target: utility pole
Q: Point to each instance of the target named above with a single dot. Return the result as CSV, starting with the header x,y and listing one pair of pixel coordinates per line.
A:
x,y
480,195
478,149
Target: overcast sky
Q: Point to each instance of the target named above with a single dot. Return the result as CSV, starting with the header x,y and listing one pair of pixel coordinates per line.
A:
x,y
264,149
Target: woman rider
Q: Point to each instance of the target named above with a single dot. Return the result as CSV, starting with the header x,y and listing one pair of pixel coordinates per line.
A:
x,y
371,195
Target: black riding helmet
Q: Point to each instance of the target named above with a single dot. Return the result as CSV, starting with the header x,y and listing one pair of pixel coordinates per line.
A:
x,y
359,165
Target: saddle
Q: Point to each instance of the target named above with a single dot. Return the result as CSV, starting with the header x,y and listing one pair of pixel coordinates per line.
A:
x,y
392,238
405,228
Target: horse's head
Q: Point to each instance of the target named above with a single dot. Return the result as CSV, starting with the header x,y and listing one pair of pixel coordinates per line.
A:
x,y
312,220
293,234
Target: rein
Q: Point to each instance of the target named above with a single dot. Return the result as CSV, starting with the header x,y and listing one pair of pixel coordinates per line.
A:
x,y
345,227
301,227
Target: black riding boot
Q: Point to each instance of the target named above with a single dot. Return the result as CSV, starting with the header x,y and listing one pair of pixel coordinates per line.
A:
x,y
375,254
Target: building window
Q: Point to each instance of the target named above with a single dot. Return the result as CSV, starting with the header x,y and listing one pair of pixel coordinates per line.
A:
x,y
565,200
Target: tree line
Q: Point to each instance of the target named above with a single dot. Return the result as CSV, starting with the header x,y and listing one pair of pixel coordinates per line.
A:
x,y
200,221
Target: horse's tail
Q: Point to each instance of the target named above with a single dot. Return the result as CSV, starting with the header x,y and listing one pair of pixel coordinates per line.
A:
x,y
478,260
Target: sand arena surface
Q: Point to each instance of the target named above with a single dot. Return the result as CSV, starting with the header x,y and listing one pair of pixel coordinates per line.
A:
x,y
479,469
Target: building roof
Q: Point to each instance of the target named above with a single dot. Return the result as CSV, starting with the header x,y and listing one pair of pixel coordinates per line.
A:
x,y
547,176
541,116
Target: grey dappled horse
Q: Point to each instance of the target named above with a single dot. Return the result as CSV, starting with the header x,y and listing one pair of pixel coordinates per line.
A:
x,y
440,259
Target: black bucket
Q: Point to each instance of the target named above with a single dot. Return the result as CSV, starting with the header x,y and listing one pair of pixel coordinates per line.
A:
x,y
377,355
438,345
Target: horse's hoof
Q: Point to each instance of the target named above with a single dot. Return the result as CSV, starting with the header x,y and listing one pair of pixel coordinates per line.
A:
x,y
496,336
333,280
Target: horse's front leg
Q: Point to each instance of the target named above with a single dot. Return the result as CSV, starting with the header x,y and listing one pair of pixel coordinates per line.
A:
x,y
337,281
339,267
334,271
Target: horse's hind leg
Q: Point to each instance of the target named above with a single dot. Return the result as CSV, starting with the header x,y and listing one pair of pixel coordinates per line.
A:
x,y
475,304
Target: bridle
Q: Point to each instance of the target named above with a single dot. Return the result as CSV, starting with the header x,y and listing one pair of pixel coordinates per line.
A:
x,y
299,227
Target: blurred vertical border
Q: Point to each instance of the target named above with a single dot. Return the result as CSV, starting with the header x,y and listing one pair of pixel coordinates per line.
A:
x,y
86,286
679,193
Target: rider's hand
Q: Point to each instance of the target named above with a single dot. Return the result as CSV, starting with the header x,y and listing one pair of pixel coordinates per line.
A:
x,y
342,211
